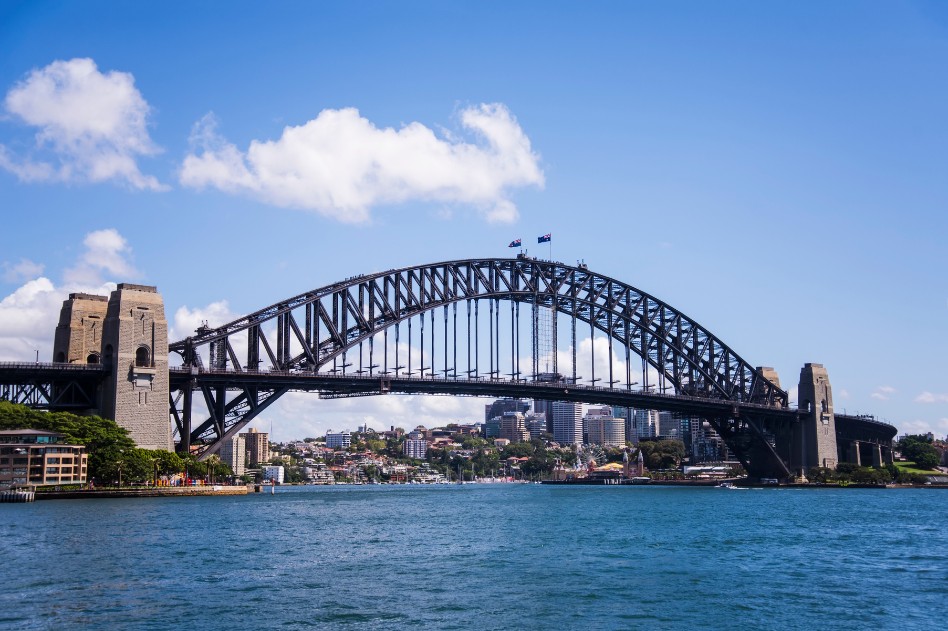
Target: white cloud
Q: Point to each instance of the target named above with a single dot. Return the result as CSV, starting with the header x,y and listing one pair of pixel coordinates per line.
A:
x,y
91,126
341,165
186,320
25,269
882,393
106,251
931,397
29,315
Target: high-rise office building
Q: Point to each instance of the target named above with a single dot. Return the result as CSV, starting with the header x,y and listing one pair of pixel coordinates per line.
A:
x,y
645,423
513,427
602,428
498,407
567,422
536,425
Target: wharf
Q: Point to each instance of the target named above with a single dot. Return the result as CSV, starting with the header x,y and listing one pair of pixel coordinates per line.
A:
x,y
13,496
157,491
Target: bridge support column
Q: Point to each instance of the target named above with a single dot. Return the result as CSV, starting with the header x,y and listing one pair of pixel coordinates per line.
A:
x,y
854,456
877,455
814,440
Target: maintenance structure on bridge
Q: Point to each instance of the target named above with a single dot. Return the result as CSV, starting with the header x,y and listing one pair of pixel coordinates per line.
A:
x,y
366,336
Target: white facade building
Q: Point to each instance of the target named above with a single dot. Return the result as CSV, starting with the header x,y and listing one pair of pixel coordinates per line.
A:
x,y
415,446
602,428
273,473
340,440
567,422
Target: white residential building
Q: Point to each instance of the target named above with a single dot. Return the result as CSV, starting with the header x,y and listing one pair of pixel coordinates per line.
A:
x,y
233,453
415,446
273,473
340,440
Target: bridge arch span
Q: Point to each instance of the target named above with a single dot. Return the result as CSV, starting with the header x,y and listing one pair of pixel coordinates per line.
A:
x,y
317,327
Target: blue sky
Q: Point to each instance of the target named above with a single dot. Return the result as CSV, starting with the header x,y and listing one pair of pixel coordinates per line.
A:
x,y
775,170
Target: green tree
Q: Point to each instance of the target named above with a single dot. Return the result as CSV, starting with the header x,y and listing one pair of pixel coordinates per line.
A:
x,y
662,454
919,449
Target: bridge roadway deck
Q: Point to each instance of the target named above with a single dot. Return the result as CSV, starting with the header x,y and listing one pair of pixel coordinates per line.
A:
x,y
337,385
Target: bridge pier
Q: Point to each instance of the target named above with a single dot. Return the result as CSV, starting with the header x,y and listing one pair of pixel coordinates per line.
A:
x,y
854,455
814,438
877,455
126,332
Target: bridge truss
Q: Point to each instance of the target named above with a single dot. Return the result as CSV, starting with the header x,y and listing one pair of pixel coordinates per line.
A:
x,y
484,321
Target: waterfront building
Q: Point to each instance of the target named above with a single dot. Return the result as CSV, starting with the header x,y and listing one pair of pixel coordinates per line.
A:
x,y
30,457
338,440
273,473
233,453
415,446
513,428
258,446
602,428
567,422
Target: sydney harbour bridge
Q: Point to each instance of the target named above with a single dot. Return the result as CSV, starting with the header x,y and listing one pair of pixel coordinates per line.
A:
x,y
482,327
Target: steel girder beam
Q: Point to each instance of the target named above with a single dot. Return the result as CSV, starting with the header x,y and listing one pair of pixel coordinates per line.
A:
x,y
51,386
340,316
230,409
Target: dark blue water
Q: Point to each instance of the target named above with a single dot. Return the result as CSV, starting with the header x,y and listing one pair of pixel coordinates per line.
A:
x,y
481,557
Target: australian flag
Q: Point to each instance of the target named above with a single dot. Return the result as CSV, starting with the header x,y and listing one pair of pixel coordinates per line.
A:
x,y
545,238
514,244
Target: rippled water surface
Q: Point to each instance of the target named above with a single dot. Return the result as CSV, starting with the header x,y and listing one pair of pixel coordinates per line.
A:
x,y
481,557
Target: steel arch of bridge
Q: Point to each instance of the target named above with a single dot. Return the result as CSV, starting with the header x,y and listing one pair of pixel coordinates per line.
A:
x,y
318,327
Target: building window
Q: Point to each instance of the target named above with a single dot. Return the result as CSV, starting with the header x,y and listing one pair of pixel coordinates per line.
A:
x,y
142,357
93,358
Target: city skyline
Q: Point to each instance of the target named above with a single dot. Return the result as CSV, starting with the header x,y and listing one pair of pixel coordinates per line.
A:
x,y
774,172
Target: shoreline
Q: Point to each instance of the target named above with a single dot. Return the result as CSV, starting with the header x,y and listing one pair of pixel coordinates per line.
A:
x,y
160,491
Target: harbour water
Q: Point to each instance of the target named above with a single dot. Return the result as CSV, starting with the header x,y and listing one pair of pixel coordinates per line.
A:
x,y
481,557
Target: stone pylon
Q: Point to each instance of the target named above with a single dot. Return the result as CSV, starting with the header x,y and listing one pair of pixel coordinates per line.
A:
x,y
127,333
814,443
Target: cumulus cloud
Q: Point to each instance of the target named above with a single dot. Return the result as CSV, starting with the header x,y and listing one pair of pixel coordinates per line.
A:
x,y
341,165
882,393
931,397
106,252
92,127
29,315
23,270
